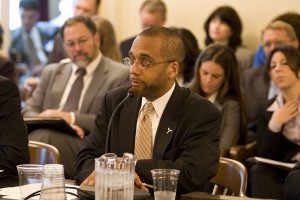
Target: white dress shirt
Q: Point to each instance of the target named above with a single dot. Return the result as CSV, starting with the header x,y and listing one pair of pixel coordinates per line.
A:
x,y
159,107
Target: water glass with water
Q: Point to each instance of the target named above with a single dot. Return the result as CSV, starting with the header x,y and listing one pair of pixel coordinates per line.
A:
x,y
165,183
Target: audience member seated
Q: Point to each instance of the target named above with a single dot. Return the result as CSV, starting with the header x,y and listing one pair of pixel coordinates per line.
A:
x,y
13,135
291,184
152,13
256,89
224,26
56,96
178,139
86,8
7,68
217,79
186,72
108,41
278,124
28,43
81,8
292,19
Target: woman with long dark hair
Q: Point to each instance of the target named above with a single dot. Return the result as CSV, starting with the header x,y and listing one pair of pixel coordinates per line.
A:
x,y
217,79
224,26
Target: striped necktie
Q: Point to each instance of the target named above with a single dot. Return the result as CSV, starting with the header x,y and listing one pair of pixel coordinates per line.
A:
x,y
143,139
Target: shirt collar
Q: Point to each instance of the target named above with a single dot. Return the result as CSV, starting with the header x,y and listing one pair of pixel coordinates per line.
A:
x,y
160,103
90,68
278,103
213,97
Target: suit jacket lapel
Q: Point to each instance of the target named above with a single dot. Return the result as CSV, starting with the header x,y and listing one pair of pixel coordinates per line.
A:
x,y
168,123
97,82
128,120
59,83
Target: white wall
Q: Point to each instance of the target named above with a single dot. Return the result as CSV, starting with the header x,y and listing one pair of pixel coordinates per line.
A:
x,y
191,14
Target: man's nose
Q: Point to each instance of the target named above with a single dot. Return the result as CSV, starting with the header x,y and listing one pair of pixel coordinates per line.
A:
x,y
134,68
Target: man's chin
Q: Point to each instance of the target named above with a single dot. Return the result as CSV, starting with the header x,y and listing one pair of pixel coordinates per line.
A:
x,y
81,63
136,90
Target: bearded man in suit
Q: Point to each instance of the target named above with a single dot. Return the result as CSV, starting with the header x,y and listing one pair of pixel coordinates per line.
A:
x,y
179,138
52,97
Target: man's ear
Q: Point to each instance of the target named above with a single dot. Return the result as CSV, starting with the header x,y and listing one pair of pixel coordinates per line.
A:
x,y
173,69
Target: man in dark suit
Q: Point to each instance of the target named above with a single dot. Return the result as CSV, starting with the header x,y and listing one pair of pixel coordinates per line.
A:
x,y
152,13
52,94
13,135
185,127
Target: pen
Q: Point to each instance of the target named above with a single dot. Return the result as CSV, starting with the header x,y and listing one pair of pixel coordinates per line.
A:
x,y
148,185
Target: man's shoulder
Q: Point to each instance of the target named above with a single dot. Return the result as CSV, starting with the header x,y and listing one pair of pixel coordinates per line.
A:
x,y
6,86
111,62
118,93
56,66
47,29
194,101
197,108
115,67
16,34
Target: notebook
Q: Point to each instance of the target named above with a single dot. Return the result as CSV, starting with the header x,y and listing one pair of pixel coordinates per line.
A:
x,y
54,123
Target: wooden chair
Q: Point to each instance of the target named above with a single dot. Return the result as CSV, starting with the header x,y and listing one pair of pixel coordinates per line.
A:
x,y
42,153
243,152
231,178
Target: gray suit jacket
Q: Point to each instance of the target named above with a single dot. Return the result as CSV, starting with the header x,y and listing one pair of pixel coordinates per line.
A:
x,y
108,75
230,124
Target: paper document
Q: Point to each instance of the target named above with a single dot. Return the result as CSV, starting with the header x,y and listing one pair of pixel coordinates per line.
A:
x,y
283,165
14,192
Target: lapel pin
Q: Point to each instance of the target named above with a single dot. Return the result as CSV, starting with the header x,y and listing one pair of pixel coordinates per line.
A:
x,y
169,130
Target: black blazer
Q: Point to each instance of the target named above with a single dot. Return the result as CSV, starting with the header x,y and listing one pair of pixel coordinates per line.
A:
x,y
8,70
292,182
192,146
269,144
13,134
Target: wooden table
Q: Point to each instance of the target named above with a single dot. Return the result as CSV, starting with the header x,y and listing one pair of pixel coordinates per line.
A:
x,y
204,195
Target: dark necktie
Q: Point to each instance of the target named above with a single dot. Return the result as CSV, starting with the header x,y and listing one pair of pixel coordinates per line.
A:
x,y
31,52
75,92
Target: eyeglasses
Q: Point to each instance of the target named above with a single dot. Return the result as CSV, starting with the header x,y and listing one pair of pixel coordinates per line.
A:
x,y
141,63
80,42
275,43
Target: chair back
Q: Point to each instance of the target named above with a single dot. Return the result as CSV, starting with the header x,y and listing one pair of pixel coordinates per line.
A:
x,y
243,152
231,178
42,153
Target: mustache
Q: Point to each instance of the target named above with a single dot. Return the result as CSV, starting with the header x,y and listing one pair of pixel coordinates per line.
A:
x,y
80,53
